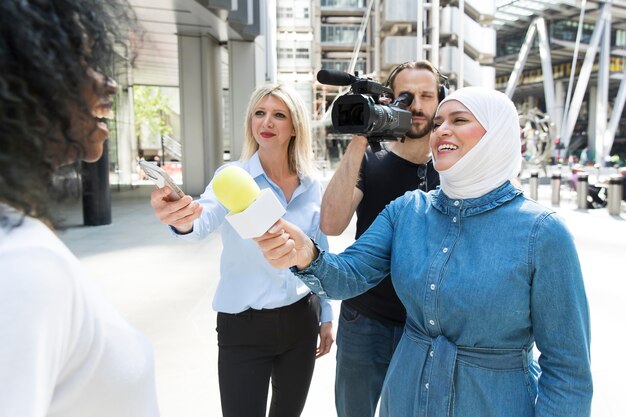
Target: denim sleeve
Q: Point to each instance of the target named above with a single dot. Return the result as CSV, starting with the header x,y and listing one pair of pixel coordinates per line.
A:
x,y
560,320
361,266
328,307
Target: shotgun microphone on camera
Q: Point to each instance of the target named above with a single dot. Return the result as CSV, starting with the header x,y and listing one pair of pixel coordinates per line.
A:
x,y
334,77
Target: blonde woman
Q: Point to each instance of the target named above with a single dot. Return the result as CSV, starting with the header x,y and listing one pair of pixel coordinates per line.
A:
x,y
268,321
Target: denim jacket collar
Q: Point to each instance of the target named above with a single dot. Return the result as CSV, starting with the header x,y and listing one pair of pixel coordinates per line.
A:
x,y
472,206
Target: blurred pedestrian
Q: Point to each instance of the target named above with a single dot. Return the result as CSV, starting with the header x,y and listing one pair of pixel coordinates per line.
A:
x,y
64,351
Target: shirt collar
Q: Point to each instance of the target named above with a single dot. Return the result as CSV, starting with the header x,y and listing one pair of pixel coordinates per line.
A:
x,y
256,169
473,206
254,166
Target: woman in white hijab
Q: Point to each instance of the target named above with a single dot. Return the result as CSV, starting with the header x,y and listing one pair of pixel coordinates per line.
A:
x,y
477,267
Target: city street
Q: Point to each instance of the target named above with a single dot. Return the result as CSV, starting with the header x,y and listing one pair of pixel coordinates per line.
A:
x,y
165,287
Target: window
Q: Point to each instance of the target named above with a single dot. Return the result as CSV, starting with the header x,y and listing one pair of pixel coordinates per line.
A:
x,y
343,65
285,12
566,30
302,53
285,53
339,34
357,4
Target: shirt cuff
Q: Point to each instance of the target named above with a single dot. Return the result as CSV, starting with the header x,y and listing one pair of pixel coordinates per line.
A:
x,y
307,275
177,233
329,310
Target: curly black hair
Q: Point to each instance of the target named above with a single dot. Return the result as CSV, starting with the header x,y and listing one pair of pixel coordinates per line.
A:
x,y
46,49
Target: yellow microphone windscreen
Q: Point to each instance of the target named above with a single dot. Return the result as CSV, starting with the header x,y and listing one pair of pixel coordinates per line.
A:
x,y
235,188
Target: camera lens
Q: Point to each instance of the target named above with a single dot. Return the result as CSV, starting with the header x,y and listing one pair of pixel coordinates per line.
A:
x,y
350,114
356,115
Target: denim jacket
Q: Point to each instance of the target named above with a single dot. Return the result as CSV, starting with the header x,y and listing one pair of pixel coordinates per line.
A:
x,y
483,280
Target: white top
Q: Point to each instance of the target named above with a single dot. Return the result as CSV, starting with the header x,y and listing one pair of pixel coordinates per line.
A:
x,y
64,350
247,280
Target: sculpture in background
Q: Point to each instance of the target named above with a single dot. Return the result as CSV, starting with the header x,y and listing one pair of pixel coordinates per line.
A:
x,y
538,138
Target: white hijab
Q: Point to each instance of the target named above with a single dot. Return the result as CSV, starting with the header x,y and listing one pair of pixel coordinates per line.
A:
x,y
497,157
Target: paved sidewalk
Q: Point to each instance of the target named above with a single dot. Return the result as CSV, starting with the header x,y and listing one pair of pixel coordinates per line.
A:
x,y
164,287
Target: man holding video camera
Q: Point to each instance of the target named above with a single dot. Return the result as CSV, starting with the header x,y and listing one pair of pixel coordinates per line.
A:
x,y
371,324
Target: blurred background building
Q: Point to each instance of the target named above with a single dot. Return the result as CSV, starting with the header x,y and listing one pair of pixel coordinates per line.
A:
x,y
561,62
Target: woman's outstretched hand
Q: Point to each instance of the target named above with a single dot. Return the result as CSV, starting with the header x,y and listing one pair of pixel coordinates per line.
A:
x,y
284,245
179,214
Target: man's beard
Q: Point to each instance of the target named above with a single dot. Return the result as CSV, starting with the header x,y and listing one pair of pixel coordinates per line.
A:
x,y
417,132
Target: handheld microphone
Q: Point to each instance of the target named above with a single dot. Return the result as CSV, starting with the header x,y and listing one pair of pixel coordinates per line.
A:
x,y
334,77
252,210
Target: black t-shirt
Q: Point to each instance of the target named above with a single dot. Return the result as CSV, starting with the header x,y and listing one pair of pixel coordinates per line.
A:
x,y
384,177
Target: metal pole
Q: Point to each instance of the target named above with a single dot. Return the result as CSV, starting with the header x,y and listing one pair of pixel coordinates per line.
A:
x,y
556,188
546,69
618,107
615,195
419,30
534,185
582,190
602,95
461,46
570,85
377,38
96,191
521,60
434,33
622,172
584,75
162,152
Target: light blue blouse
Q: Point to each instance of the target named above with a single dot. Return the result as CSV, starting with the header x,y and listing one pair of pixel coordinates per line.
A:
x,y
247,280
483,280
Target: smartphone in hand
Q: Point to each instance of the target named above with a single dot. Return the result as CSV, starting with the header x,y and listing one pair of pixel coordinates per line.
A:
x,y
161,179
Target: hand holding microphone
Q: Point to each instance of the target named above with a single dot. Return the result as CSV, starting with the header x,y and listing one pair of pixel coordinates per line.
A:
x,y
252,210
256,213
284,245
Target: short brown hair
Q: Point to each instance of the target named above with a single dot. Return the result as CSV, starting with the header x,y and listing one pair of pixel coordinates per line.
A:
x,y
422,64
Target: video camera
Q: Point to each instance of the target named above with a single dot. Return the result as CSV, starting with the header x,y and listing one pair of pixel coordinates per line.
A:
x,y
358,111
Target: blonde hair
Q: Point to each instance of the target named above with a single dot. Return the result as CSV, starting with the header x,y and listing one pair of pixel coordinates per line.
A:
x,y
300,150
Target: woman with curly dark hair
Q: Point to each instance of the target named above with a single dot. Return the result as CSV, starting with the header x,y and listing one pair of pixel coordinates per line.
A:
x,y
64,350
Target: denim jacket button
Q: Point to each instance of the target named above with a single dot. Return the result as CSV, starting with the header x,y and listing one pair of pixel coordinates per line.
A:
x,y
431,322
432,287
456,203
431,353
454,219
426,385
445,250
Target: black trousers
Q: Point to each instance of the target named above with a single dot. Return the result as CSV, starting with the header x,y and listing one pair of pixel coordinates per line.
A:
x,y
258,345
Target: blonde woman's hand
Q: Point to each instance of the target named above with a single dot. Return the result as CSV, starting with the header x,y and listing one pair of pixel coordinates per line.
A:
x,y
327,338
179,214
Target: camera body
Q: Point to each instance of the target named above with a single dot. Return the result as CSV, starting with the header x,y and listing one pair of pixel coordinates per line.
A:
x,y
358,111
